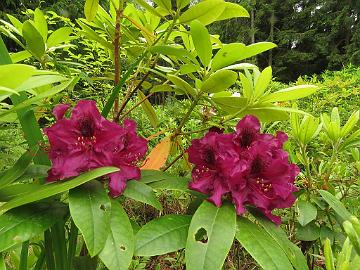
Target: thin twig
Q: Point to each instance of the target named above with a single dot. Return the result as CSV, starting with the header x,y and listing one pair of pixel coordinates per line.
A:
x,y
116,43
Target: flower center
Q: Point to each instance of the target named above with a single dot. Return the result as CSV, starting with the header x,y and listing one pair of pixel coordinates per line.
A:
x,y
246,138
209,156
264,187
86,127
257,165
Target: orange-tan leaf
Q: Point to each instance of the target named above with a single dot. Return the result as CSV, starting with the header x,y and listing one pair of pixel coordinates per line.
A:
x,y
158,156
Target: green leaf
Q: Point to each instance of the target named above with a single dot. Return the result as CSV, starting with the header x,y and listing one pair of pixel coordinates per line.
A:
x,y
350,124
232,10
180,4
293,252
307,212
263,82
329,258
182,85
151,176
290,93
13,75
24,223
163,235
90,209
142,193
201,40
40,23
335,204
119,247
90,9
18,169
148,109
91,34
20,56
2,262
179,183
353,236
34,41
257,48
16,23
219,81
227,55
165,4
59,36
17,190
40,80
4,55
210,236
46,191
231,104
309,232
261,246
205,12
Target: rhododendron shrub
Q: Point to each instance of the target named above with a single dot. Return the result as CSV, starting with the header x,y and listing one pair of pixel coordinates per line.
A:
x,y
87,141
247,166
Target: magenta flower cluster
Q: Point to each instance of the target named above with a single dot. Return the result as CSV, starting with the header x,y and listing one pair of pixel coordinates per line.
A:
x,y
246,166
87,140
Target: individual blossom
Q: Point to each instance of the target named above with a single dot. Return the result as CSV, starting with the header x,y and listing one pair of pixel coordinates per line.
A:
x,y
87,140
247,166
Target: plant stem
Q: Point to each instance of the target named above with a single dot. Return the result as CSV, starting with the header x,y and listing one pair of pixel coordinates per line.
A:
x,y
116,43
135,106
24,255
72,244
50,262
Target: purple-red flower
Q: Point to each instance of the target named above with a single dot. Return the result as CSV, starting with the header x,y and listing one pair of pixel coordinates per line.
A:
x,y
250,167
87,140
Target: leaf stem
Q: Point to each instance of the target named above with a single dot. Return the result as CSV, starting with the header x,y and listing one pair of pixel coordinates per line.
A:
x,y
24,255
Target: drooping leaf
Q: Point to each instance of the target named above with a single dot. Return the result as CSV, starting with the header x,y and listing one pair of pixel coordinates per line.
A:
x,y
141,192
163,235
307,212
148,109
18,169
219,81
90,209
261,246
335,204
201,40
90,9
158,155
34,41
26,222
182,85
211,234
231,104
52,189
119,247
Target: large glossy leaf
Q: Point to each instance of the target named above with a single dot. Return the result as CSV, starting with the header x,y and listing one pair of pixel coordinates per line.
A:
x,y
40,23
150,176
350,123
211,234
163,235
34,41
233,10
307,212
257,48
40,80
90,9
335,204
309,232
231,104
20,56
202,43
206,12
18,169
219,81
165,4
13,75
228,55
290,93
119,247
26,222
179,183
17,190
59,36
293,252
142,193
261,246
148,109
55,188
90,209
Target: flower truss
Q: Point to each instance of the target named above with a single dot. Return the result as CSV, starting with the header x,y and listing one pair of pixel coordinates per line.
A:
x,y
249,167
87,140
